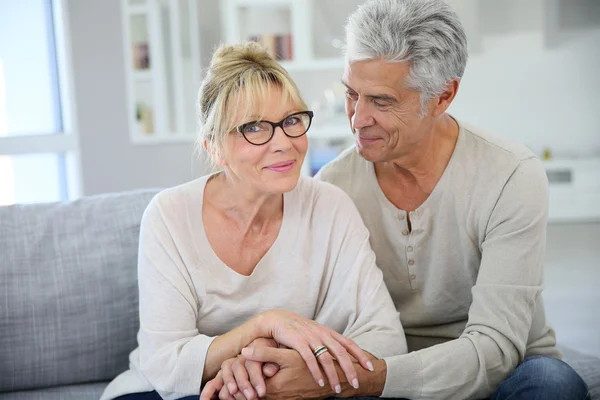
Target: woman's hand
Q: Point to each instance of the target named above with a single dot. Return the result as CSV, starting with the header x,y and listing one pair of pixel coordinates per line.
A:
x,y
305,335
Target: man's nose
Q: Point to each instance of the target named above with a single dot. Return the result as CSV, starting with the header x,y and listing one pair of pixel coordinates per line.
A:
x,y
362,116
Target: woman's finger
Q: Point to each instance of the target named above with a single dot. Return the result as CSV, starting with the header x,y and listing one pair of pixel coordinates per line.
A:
x,y
307,355
242,379
228,378
336,350
328,366
354,350
257,379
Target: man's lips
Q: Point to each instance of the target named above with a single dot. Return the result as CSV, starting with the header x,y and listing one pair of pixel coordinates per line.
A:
x,y
364,139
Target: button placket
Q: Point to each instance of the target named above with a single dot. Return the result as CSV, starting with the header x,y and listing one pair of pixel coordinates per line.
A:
x,y
410,255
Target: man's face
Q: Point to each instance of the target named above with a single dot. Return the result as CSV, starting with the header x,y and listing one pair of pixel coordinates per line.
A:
x,y
384,115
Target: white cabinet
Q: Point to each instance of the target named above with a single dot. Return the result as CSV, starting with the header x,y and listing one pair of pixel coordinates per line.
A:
x,y
574,190
162,56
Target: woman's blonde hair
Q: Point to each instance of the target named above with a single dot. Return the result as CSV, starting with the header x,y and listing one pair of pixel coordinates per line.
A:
x,y
238,76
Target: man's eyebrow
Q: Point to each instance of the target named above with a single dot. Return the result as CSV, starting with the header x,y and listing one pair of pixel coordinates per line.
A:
x,y
382,97
345,84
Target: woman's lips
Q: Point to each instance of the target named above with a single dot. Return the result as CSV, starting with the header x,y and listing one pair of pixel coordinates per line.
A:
x,y
284,166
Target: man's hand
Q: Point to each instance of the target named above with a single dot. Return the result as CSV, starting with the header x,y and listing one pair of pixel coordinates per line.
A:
x,y
304,336
241,379
249,376
294,380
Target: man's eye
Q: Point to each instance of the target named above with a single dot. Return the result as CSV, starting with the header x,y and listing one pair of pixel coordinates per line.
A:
x,y
351,95
378,104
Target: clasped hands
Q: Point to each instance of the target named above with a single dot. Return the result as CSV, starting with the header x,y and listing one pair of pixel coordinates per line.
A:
x,y
283,363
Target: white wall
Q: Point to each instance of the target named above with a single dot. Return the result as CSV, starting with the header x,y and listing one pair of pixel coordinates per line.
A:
x,y
521,87
515,85
110,163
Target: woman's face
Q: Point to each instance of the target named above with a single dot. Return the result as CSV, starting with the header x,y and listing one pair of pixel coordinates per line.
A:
x,y
273,167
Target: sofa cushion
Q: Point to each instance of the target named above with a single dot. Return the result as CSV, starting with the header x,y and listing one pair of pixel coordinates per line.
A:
x,y
68,284
587,366
91,391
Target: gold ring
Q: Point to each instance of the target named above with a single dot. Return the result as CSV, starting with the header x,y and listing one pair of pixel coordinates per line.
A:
x,y
320,350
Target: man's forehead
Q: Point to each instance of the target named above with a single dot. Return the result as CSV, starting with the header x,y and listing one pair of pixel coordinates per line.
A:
x,y
375,74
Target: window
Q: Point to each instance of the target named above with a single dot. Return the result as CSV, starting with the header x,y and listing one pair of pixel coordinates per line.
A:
x,y
37,142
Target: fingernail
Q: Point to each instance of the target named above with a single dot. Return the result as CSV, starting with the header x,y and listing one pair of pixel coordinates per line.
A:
x,y
321,383
247,351
231,387
355,383
260,391
247,393
370,366
338,389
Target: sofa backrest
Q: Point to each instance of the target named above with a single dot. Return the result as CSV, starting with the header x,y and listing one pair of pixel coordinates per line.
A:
x,y
68,290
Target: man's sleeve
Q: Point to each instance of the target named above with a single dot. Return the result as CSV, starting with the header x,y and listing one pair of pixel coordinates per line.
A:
x,y
508,286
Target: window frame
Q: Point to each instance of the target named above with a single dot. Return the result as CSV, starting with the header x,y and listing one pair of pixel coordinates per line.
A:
x,y
66,140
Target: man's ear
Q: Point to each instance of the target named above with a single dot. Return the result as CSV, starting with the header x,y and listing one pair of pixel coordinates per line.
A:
x,y
214,154
445,99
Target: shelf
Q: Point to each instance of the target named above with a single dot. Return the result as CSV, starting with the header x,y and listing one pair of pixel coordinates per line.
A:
x,y
264,3
337,127
313,65
138,9
142,75
154,140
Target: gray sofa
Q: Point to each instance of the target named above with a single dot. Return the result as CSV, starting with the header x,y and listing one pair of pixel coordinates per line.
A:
x,y
68,297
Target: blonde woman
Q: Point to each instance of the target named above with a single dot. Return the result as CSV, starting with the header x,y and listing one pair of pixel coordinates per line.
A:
x,y
254,252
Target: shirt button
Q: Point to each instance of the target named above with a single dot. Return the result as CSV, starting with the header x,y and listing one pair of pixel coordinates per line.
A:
x,y
409,249
405,232
411,262
401,216
413,277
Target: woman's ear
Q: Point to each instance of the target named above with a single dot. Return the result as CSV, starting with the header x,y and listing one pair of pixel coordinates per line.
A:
x,y
214,153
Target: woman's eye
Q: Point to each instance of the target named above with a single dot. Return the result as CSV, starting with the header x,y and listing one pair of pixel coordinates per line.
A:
x,y
292,121
252,128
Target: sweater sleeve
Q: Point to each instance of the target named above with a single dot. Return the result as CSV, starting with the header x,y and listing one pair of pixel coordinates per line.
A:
x,y
172,351
507,289
357,299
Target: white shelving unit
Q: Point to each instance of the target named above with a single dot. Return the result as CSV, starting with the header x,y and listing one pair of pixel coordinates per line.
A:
x,y
162,56
294,17
298,14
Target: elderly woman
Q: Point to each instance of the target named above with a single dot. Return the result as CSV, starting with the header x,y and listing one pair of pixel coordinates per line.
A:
x,y
254,252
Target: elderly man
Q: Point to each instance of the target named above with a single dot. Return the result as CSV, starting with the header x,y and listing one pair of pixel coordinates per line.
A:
x,y
457,220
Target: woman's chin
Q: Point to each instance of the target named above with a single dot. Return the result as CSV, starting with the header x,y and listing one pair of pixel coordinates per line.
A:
x,y
284,184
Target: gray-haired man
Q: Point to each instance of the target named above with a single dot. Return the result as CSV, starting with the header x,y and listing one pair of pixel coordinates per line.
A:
x,y
457,217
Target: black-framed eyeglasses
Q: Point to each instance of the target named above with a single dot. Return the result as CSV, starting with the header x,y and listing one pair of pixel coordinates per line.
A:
x,y
260,132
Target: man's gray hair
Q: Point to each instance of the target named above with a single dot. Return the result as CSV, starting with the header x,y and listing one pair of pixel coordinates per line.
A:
x,y
426,33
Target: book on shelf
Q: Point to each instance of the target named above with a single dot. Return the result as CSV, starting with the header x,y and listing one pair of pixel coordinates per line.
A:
x,y
278,46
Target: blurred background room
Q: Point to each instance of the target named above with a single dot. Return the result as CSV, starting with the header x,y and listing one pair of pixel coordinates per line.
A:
x,y
98,96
